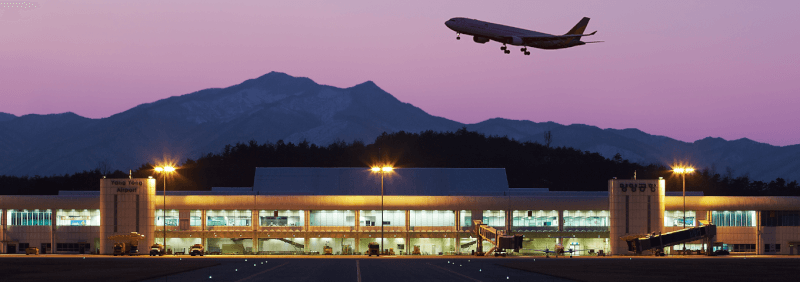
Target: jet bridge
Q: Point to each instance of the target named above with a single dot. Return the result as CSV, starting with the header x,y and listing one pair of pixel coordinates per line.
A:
x,y
496,237
658,242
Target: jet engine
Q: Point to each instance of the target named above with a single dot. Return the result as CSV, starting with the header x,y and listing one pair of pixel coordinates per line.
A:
x,y
513,40
479,39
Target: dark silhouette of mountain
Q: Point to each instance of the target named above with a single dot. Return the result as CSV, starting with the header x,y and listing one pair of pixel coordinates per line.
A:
x,y
5,116
277,106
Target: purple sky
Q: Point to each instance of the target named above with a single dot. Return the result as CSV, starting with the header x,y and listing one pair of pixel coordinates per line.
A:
x,y
684,69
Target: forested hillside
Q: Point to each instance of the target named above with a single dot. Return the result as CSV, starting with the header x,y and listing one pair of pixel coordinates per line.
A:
x,y
527,164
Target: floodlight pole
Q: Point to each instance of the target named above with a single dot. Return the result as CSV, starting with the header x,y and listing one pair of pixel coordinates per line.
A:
x,y
164,212
683,177
382,220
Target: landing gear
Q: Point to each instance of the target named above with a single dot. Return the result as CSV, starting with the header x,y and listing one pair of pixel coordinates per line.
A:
x,y
458,36
525,51
505,49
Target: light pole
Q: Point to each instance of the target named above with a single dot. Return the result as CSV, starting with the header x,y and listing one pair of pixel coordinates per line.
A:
x,y
382,170
164,171
683,171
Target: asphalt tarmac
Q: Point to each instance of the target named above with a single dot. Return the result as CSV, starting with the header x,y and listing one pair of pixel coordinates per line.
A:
x,y
359,270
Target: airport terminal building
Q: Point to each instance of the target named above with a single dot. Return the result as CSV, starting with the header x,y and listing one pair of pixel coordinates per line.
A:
x,y
425,211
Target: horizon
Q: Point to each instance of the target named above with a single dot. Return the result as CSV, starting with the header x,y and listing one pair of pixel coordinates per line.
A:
x,y
705,66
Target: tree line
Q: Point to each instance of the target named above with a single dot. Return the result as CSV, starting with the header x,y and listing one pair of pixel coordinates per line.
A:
x,y
527,164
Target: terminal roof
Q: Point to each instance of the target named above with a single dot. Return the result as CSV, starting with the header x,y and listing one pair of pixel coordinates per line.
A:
x,y
362,181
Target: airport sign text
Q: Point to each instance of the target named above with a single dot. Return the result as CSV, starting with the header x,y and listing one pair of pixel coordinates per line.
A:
x,y
640,186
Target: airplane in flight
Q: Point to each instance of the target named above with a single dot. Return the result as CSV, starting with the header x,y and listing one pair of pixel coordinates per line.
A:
x,y
483,32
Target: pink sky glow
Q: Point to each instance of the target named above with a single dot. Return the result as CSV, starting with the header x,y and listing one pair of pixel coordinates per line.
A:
x,y
683,69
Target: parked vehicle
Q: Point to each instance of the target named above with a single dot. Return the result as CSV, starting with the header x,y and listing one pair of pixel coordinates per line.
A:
x,y
374,249
119,249
32,251
197,250
157,250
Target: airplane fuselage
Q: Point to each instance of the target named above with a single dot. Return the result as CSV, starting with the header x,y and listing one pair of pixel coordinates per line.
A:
x,y
483,31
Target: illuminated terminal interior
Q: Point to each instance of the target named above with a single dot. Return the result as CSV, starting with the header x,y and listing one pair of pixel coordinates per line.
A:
x,y
425,211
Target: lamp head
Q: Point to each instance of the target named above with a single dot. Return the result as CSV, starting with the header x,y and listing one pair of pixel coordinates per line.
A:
x,y
682,170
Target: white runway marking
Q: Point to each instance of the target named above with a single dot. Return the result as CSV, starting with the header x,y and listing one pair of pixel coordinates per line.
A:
x,y
265,271
358,270
456,273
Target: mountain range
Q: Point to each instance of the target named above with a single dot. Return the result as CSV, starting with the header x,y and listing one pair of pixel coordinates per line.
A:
x,y
277,106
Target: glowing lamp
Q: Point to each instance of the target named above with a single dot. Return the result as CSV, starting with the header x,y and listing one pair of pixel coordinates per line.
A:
x,y
682,170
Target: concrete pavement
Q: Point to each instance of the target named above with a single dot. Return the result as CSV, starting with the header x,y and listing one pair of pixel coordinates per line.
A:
x,y
359,270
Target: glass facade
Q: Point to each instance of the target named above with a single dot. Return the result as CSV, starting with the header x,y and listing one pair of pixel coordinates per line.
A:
x,y
390,218
195,218
780,218
281,218
689,247
228,218
73,247
333,218
743,248
465,217
495,218
586,220
28,217
532,220
734,218
78,217
675,218
171,217
432,218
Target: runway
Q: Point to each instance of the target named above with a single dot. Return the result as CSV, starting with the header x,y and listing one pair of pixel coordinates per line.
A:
x,y
359,270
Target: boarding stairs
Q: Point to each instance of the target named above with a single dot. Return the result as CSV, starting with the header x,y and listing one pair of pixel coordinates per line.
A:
x,y
290,242
657,242
497,238
466,245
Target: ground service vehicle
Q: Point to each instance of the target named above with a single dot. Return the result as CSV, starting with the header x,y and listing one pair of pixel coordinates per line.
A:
x,y
32,251
157,250
374,249
197,250
119,249
133,249
126,244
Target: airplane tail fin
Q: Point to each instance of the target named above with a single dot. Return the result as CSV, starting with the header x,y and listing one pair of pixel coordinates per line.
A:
x,y
579,28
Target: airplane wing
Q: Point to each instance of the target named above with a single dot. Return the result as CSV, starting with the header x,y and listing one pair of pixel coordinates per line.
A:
x,y
544,251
